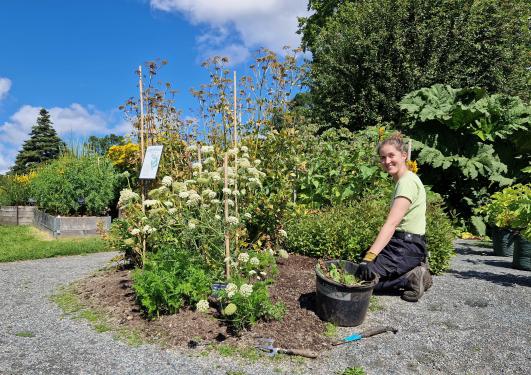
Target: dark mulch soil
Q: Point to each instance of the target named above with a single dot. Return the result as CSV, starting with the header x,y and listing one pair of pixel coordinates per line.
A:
x,y
111,292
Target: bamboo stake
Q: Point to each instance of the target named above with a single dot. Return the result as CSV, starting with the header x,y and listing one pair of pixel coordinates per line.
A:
x,y
143,187
227,239
235,120
409,150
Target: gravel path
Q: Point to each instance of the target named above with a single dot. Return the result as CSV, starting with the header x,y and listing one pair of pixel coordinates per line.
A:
x,y
476,319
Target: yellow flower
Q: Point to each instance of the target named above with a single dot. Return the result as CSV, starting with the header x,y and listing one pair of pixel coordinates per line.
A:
x,y
412,166
381,133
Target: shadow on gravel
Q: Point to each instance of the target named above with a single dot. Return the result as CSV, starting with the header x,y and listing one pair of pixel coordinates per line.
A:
x,y
470,250
503,280
491,262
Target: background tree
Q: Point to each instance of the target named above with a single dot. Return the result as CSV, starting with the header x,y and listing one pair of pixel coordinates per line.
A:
x,y
368,54
44,144
100,145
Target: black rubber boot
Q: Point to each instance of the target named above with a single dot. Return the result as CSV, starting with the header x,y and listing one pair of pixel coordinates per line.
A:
x,y
415,287
428,280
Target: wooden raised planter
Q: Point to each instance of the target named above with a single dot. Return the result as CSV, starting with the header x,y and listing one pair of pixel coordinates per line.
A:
x,y
70,226
16,215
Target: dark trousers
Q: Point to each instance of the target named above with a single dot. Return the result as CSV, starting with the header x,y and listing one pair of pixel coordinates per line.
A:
x,y
395,260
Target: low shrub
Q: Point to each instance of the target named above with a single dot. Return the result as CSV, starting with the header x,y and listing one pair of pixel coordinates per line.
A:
x,y
15,189
72,185
345,232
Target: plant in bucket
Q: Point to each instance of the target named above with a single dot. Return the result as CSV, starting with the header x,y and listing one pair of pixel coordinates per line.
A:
x,y
341,298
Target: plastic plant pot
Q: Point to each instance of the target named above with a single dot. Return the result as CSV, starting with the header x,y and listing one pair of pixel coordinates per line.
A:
x,y
522,253
502,242
340,304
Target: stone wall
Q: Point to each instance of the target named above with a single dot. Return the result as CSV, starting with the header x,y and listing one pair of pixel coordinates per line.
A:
x,y
16,215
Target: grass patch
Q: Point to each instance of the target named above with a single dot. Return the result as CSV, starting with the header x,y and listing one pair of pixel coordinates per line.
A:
x,y
67,299
374,304
26,242
353,371
330,330
25,334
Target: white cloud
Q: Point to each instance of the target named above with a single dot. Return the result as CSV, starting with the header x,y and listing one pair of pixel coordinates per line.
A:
x,y
5,86
71,123
253,23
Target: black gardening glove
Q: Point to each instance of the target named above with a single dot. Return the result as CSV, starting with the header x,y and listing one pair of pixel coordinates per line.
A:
x,y
364,272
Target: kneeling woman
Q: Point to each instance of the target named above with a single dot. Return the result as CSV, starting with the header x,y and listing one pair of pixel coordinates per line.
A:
x,y
398,255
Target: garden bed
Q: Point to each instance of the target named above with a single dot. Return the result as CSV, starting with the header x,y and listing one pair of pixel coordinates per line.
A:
x,y
111,292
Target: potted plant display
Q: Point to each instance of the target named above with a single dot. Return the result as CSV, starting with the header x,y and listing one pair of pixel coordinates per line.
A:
x,y
509,211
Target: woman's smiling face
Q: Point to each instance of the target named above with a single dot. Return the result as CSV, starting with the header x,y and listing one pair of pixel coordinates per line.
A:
x,y
393,161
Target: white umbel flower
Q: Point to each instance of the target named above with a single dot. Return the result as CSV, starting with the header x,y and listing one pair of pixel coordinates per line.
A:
x,y
150,202
246,290
202,306
283,233
245,149
227,191
243,257
135,232
254,261
191,225
127,196
191,148
247,215
167,181
231,289
196,166
183,194
233,220
232,151
207,149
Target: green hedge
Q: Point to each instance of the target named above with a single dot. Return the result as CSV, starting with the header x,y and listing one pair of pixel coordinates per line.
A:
x,y
345,232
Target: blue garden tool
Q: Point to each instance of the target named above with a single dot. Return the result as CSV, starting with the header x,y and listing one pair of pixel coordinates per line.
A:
x,y
365,334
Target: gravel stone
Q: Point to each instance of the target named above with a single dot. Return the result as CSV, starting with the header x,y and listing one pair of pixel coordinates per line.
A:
x,y
475,319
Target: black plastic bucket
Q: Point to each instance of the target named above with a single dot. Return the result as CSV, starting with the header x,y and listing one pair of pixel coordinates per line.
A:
x,y
522,253
339,304
502,242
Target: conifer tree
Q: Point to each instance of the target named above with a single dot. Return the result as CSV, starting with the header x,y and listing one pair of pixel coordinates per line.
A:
x,y
43,144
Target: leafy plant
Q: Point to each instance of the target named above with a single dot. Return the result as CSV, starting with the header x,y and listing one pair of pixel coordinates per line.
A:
x,y
510,208
171,279
15,190
75,185
243,304
468,142
338,273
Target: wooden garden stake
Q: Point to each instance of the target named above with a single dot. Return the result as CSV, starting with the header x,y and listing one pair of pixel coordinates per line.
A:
x,y
236,162
227,239
142,154
199,158
409,150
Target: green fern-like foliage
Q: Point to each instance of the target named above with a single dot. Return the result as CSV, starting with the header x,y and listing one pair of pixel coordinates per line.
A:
x,y
468,143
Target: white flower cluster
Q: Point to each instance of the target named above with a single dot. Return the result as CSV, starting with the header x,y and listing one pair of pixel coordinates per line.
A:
x,y
233,220
247,215
207,149
196,166
167,181
127,196
246,290
148,229
233,151
243,257
191,225
283,254
191,148
226,191
283,233
150,202
202,306
244,163
135,231
231,289
193,198
254,261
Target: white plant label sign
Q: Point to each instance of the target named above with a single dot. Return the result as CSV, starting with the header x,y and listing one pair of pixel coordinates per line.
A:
x,y
150,165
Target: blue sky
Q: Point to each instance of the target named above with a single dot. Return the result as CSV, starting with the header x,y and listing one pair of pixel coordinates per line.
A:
x,y
77,58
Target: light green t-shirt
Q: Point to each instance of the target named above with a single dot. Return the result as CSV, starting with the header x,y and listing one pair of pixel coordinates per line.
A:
x,y
410,187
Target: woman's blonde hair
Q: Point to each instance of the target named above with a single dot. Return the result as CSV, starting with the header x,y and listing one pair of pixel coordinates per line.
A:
x,y
394,140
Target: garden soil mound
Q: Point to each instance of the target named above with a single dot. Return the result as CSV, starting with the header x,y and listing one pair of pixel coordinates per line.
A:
x,y
111,292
